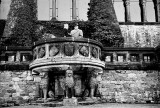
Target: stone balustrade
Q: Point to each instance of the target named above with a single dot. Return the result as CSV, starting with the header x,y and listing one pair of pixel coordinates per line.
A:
x,y
66,51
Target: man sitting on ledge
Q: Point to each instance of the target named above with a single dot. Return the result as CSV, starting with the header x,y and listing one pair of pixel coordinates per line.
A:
x,y
76,33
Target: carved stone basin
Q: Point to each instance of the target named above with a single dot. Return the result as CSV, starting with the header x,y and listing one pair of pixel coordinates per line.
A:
x,y
61,53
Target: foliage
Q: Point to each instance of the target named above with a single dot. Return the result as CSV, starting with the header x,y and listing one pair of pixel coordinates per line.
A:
x,y
105,26
56,28
2,24
22,27
19,29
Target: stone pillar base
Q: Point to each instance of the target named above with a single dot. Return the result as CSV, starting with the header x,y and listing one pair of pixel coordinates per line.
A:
x,y
70,102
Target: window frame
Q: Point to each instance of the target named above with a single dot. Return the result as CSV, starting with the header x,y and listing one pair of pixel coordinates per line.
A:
x,y
124,57
25,54
111,59
150,59
10,54
137,57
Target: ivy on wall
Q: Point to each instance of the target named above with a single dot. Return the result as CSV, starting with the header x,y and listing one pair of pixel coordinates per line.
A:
x,y
56,28
104,22
22,27
19,29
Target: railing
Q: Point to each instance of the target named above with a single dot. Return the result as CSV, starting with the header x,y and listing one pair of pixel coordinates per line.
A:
x,y
72,51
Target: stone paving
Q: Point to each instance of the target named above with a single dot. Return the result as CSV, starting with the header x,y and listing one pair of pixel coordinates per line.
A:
x,y
105,105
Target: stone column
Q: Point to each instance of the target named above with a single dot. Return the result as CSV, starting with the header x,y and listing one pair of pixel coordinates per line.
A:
x,y
157,9
142,4
0,11
47,50
74,14
53,9
127,10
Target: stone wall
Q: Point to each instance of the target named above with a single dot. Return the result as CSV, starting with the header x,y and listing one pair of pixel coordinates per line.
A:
x,y
17,86
130,86
141,35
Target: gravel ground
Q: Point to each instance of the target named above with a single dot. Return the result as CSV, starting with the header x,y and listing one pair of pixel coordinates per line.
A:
x,y
106,105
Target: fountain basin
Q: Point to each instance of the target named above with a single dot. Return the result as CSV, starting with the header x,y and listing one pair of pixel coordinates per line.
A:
x,y
62,53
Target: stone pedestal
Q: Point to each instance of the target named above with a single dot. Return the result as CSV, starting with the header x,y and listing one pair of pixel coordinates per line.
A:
x,y
70,102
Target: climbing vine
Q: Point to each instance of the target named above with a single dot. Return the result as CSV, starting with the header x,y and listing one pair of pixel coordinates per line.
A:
x,y
105,26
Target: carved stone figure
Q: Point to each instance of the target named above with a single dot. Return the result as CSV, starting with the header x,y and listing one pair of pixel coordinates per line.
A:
x,y
34,54
41,53
94,52
51,94
93,84
51,91
84,50
54,50
44,84
69,83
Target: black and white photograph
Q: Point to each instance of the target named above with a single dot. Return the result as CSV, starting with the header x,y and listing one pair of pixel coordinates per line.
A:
x,y
79,53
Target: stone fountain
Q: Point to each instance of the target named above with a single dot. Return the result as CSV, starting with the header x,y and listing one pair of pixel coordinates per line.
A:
x,y
69,66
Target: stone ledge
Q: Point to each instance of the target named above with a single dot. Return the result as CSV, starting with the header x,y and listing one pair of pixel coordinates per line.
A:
x,y
70,102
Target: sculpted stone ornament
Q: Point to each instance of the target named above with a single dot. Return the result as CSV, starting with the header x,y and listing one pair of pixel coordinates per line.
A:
x,y
93,84
44,84
94,52
84,50
34,54
69,49
69,83
54,50
41,53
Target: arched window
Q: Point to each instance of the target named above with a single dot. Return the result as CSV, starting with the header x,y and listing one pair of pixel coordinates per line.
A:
x,y
135,11
119,10
150,11
4,8
64,12
43,9
82,9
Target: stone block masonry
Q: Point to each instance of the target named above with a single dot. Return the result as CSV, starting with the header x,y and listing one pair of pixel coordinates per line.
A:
x,y
124,86
131,86
140,35
15,87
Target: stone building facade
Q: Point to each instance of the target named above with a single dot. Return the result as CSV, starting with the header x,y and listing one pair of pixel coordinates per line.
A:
x,y
131,74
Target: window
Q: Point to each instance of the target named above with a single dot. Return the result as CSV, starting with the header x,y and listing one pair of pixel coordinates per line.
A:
x,y
10,57
82,9
121,57
147,58
2,59
119,10
150,11
64,10
43,9
134,57
135,11
109,58
25,57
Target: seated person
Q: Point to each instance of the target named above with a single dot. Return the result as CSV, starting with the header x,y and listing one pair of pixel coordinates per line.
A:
x,y
76,33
